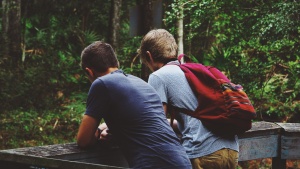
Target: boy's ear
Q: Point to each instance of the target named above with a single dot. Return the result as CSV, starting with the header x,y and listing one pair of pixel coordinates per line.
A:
x,y
89,72
149,56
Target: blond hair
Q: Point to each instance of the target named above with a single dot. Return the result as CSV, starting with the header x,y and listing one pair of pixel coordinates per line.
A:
x,y
161,44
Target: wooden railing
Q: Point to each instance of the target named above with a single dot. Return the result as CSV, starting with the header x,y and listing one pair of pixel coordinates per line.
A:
x,y
279,141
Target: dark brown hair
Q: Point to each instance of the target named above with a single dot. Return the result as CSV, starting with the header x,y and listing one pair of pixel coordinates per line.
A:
x,y
99,56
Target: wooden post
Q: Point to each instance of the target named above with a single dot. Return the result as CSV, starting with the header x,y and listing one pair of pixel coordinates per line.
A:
x,y
278,163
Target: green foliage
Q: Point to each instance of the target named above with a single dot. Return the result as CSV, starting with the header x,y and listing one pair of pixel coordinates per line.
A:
x,y
128,58
255,43
50,71
282,92
32,128
40,90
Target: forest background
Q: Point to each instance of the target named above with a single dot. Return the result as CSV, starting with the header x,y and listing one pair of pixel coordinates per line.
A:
x,y
43,90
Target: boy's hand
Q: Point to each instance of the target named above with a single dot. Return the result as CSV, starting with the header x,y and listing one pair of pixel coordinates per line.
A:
x,y
103,134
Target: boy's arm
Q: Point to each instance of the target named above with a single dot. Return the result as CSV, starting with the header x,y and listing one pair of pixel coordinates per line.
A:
x,y
86,136
174,125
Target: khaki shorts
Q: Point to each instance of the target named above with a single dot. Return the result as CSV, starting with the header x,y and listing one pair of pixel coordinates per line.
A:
x,y
222,159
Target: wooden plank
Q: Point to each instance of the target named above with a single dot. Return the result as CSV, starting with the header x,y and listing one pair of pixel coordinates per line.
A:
x,y
261,141
112,158
263,125
290,140
290,147
103,154
43,162
106,154
258,147
290,127
261,128
13,165
47,151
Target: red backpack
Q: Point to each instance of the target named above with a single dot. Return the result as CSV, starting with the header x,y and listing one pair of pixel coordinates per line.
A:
x,y
223,107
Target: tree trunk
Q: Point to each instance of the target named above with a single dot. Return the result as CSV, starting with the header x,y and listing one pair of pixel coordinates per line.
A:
x,y
11,30
115,23
180,30
147,25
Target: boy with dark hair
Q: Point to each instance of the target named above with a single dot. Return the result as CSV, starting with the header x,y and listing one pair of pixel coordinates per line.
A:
x,y
131,109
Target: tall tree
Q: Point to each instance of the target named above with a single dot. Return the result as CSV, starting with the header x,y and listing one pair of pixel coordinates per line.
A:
x,y
147,15
115,23
146,26
11,30
180,28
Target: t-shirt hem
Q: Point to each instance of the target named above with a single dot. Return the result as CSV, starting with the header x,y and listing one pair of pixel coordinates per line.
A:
x,y
201,154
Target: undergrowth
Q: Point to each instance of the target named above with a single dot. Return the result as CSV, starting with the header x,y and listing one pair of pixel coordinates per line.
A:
x,y
19,128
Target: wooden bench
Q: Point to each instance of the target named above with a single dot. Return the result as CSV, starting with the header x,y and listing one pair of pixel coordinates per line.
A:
x,y
279,141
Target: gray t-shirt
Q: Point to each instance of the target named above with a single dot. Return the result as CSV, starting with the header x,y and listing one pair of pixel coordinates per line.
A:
x,y
173,88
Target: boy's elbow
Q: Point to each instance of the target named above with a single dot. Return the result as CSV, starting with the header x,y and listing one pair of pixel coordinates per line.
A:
x,y
83,143
83,146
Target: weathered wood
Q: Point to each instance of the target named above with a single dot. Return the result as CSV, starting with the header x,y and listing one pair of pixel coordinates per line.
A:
x,y
290,140
100,154
293,128
258,147
279,141
259,142
67,155
34,161
261,128
290,147
47,151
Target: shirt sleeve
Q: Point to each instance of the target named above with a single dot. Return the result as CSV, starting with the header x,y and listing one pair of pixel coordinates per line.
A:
x,y
98,100
159,85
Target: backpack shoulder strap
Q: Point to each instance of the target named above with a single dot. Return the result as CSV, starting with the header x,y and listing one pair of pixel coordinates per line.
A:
x,y
200,80
182,58
217,73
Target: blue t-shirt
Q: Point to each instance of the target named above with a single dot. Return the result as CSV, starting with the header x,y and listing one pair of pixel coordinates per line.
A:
x,y
134,115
